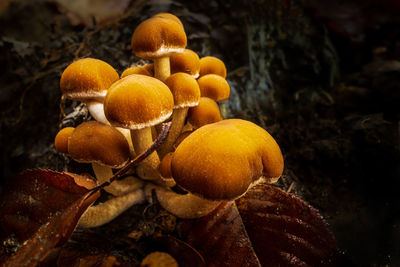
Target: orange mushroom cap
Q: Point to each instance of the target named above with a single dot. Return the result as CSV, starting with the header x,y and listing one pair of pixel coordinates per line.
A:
x,y
187,62
137,102
220,161
212,65
87,79
214,86
185,90
206,112
61,140
158,37
135,70
93,141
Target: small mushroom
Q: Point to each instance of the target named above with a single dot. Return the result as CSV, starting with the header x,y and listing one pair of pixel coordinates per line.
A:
x,y
88,80
212,65
101,145
219,162
217,88
138,102
157,38
206,112
159,259
135,70
187,61
186,93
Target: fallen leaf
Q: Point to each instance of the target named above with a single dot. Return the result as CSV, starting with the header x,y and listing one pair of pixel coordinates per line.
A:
x,y
42,208
285,230
220,237
84,12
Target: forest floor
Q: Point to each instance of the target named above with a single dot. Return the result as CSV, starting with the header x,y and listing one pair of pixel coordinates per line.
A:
x,y
334,109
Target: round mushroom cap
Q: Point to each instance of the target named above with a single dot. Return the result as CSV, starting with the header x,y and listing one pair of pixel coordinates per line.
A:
x,y
61,140
214,87
135,70
206,112
220,161
93,141
212,65
158,37
138,101
185,90
169,16
187,62
87,79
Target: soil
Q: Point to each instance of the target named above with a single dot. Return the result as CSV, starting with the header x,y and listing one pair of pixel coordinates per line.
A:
x,y
331,101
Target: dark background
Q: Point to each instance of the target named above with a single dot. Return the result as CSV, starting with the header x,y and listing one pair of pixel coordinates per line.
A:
x,y
321,76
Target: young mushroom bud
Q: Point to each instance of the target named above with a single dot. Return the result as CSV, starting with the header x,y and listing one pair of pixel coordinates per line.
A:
x,y
206,112
217,88
219,162
138,102
159,259
186,93
186,62
157,38
212,65
135,70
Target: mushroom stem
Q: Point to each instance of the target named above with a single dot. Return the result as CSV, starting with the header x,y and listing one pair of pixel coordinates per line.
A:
x,y
96,110
162,68
116,188
223,109
105,212
142,140
187,206
178,121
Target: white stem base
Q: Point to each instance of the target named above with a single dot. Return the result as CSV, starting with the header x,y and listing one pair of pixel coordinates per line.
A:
x,y
186,206
119,187
96,110
105,212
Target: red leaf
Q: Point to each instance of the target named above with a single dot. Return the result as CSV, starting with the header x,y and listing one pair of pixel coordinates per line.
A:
x,y
285,230
44,206
221,238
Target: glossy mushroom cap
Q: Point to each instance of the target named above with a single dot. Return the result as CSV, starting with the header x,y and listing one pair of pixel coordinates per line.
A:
x,y
169,16
220,161
214,87
138,101
187,62
87,79
206,112
135,70
96,142
212,65
185,90
61,140
158,37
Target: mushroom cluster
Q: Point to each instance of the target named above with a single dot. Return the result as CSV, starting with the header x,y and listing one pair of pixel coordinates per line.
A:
x,y
205,158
